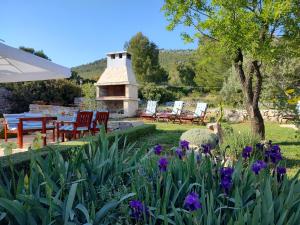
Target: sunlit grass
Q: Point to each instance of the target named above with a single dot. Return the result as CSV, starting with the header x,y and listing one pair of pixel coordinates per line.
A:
x,y
168,135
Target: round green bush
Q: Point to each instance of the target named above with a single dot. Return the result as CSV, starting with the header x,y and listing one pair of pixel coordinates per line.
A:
x,y
197,137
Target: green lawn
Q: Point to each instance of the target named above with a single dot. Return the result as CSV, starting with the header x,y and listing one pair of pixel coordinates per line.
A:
x,y
168,134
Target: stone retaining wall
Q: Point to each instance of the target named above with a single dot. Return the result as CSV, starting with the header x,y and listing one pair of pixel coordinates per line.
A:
x,y
230,115
52,109
239,115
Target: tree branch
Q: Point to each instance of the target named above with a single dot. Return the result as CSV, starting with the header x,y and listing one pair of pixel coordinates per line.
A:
x,y
202,33
194,8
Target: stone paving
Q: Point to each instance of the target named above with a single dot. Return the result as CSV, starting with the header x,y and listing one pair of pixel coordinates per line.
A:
x,y
28,139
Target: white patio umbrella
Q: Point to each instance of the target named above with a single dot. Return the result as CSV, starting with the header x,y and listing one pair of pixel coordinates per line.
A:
x,y
17,65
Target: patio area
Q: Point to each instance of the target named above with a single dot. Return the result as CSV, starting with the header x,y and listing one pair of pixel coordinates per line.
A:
x,y
28,141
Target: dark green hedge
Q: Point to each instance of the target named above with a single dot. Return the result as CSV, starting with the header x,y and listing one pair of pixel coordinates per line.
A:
x,y
22,159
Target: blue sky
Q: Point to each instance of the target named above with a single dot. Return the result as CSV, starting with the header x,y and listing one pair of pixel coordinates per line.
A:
x,y
74,32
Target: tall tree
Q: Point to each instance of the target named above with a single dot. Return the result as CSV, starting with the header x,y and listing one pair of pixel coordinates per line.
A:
x,y
186,73
259,30
145,59
212,65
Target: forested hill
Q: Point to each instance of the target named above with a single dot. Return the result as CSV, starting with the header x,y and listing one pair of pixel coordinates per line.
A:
x,y
167,58
91,70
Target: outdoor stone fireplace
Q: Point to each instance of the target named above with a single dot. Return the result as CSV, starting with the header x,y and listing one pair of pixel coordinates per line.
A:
x,y
117,88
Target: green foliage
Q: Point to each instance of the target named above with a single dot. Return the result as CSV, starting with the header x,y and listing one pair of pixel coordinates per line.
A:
x,y
95,185
258,30
76,197
199,136
151,91
78,79
186,73
250,26
282,85
21,159
170,59
60,92
91,70
234,141
145,61
89,94
39,53
231,92
212,65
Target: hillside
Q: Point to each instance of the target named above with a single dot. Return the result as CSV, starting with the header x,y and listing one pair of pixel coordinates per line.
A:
x,y
167,58
91,70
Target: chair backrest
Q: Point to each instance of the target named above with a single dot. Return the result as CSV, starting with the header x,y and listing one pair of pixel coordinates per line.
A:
x,y
84,119
200,109
151,107
177,108
12,120
101,119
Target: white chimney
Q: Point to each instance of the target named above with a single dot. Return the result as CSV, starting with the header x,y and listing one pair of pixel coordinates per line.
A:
x,y
117,88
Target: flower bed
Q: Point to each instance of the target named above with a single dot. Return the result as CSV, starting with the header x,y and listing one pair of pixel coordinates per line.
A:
x,y
109,184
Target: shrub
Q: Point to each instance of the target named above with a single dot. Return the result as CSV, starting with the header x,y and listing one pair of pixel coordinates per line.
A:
x,y
151,91
235,141
89,94
231,92
197,137
60,92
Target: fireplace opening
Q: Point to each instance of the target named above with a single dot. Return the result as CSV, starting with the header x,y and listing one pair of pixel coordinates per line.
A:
x,y
112,90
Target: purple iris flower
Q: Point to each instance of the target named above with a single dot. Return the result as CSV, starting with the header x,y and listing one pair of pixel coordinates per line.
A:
x,y
138,210
259,146
206,148
226,183
246,152
158,149
162,164
273,153
179,153
226,178
281,171
184,144
258,166
191,202
226,172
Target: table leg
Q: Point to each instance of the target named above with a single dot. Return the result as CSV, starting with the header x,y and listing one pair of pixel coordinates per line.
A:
x,y
44,131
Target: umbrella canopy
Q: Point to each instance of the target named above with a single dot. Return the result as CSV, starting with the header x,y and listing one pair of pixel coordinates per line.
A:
x,y
17,65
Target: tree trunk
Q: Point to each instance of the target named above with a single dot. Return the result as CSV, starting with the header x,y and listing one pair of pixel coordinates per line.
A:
x,y
251,93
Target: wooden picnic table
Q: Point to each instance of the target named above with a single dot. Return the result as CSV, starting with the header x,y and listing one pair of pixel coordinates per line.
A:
x,y
43,119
